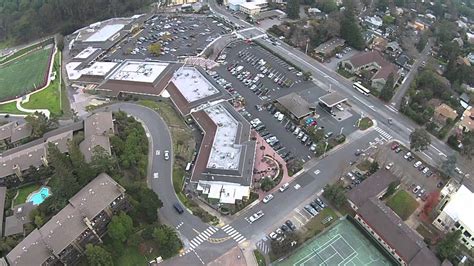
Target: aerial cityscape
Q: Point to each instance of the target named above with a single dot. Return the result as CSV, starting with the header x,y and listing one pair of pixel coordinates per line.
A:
x,y
233,132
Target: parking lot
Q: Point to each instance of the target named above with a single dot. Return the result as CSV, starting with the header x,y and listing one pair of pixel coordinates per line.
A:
x,y
258,77
178,36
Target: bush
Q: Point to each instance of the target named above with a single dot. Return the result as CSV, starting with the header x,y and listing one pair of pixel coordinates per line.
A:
x,y
267,184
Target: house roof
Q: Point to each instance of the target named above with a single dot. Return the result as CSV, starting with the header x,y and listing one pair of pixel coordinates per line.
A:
x,y
407,243
467,119
68,224
15,131
457,206
329,46
363,59
295,104
97,129
372,186
446,111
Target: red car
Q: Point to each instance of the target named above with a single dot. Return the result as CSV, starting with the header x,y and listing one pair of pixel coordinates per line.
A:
x,y
395,145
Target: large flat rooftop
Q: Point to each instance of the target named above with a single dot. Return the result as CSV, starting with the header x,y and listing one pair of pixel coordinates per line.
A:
x,y
225,152
192,84
86,53
105,33
139,71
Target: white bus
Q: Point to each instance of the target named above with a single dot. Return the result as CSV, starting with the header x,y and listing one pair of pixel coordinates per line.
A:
x,y
361,88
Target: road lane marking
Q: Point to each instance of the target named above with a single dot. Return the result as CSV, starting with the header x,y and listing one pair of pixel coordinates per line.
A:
x,y
157,152
297,186
317,172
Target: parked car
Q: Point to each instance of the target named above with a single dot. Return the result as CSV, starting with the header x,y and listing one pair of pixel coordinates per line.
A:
x,y
284,187
310,210
167,155
388,166
416,189
291,225
320,203
407,155
267,198
417,164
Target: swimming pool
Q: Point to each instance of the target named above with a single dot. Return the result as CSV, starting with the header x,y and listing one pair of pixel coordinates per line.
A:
x,y
38,196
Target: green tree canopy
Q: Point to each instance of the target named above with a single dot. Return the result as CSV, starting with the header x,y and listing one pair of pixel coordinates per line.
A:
x,y
40,124
449,246
293,9
449,165
387,91
336,194
120,227
167,240
154,49
98,256
419,139
350,30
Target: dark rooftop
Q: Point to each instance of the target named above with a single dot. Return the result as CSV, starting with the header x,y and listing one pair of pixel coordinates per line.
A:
x,y
295,104
371,187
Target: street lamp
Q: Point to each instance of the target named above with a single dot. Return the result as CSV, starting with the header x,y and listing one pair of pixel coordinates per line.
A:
x,y
307,44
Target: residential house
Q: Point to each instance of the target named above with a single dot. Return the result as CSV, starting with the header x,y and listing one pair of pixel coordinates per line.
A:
x,y
466,123
374,63
378,44
14,132
444,112
329,48
393,49
84,220
464,100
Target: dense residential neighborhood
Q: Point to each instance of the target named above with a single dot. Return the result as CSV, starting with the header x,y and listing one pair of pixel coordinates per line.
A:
x,y
230,132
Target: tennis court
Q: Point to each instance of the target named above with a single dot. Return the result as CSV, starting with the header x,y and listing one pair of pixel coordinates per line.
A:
x,y
343,244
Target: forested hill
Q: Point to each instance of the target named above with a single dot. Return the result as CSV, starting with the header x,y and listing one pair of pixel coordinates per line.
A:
x,y
26,20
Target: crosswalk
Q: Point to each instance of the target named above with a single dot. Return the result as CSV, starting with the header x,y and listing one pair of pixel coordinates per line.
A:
x,y
234,234
263,246
384,134
203,236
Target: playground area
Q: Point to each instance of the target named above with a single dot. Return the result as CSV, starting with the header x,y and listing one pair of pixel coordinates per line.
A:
x,y
343,244
24,73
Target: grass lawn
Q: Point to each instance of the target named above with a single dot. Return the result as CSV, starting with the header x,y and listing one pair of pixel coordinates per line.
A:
x,y
365,123
259,258
10,108
403,204
131,256
364,165
32,68
49,97
315,225
24,192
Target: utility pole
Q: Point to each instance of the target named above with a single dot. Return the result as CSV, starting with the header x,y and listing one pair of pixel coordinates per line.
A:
x,y
325,148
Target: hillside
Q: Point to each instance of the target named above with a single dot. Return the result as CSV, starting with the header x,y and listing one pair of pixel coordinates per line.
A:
x,y
25,20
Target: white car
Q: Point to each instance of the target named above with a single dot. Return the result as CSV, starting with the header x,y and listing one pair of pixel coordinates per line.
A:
x,y
416,189
155,175
299,74
267,198
273,235
284,187
280,117
388,166
275,115
167,155
407,155
256,216
417,164
425,170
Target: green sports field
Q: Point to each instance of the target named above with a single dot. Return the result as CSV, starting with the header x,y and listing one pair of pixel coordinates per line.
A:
x,y
21,75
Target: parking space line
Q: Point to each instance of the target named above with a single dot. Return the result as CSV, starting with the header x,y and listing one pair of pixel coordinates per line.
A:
x,y
306,219
296,218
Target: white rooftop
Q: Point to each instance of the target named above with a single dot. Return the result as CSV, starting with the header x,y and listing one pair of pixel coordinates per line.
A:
x,y
459,207
139,71
250,5
86,53
225,153
224,191
99,68
192,84
96,69
104,33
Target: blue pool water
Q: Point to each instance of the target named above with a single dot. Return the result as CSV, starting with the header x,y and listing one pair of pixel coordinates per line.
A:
x,y
39,196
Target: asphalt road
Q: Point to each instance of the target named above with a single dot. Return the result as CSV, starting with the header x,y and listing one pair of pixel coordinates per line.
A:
x,y
371,106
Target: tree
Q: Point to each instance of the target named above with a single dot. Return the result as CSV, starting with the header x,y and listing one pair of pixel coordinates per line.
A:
x,y
120,228
350,30
267,184
98,256
449,165
306,75
468,144
168,241
145,202
374,166
281,248
448,247
40,124
387,91
419,139
60,42
382,5
154,49
335,193
392,187
293,9
328,6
